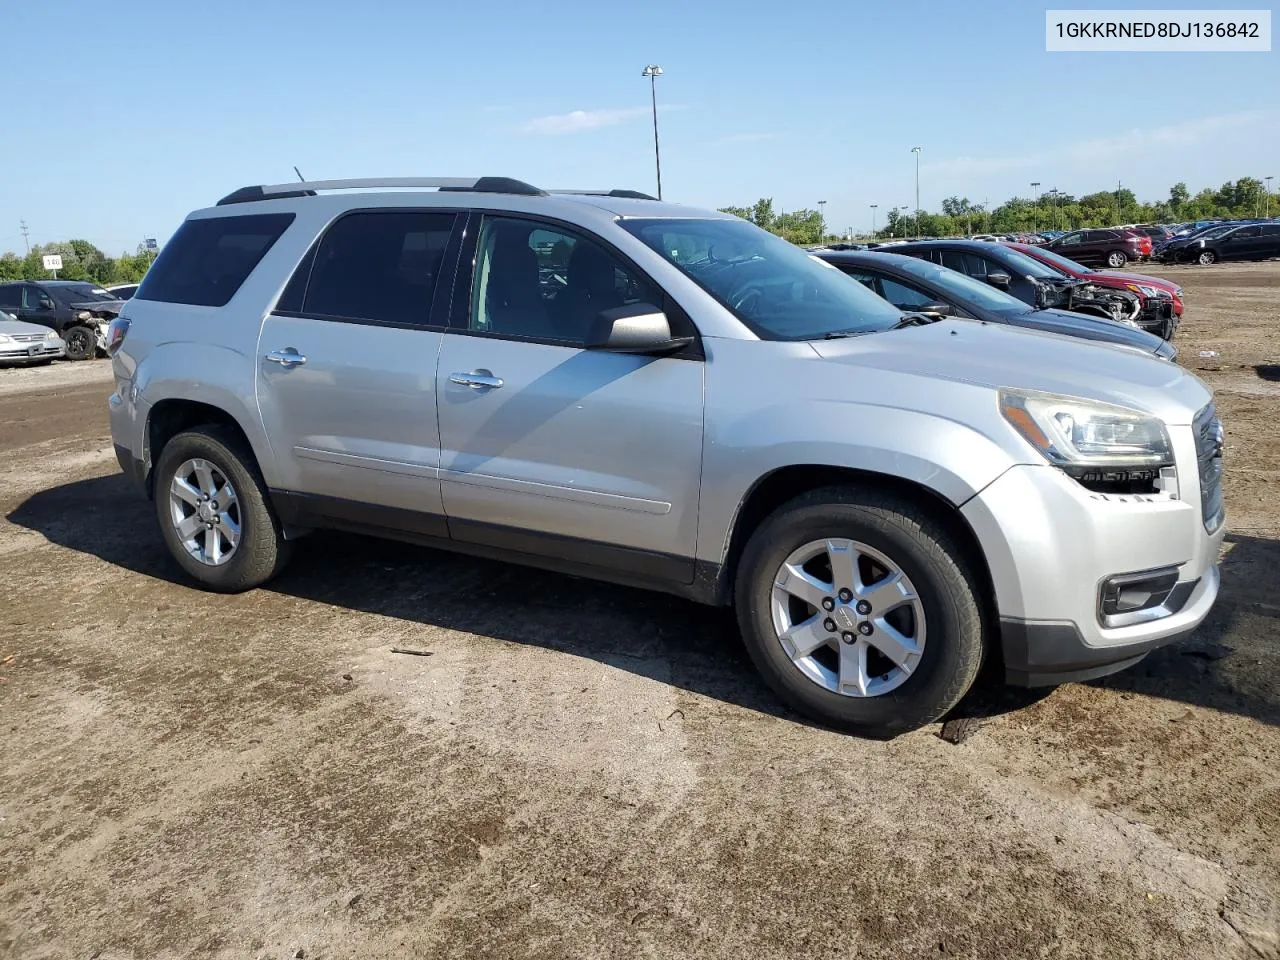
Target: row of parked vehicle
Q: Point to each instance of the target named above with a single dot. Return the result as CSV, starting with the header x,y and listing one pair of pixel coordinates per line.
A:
x,y
1023,284
46,320
620,388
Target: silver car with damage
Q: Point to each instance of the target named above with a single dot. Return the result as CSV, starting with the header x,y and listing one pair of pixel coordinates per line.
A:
x,y
637,391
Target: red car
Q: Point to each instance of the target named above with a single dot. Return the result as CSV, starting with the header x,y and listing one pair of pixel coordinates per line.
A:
x,y
1145,287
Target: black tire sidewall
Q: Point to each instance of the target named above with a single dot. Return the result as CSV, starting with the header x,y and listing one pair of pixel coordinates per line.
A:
x,y
89,337
953,642
256,556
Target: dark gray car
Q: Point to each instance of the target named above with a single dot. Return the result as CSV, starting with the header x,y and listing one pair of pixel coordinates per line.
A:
x,y
912,284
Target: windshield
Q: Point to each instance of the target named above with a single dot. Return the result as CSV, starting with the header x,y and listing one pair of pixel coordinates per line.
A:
x,y
964,287
772,286
86,293
1030,267
1058,260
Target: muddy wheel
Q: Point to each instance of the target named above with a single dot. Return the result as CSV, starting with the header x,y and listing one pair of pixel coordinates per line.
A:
x,y
82,343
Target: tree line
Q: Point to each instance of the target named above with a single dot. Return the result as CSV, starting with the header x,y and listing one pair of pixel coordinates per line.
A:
x,y
81,260
1246,197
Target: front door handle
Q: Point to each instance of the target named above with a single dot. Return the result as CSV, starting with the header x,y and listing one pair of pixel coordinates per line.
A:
x,y
288,357
476,380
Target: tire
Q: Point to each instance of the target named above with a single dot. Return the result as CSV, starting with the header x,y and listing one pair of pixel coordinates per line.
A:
x,y
1117,259
1206,258
954,639
261,551
82,343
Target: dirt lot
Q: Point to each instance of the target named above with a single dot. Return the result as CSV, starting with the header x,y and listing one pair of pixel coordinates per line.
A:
x,y
588,771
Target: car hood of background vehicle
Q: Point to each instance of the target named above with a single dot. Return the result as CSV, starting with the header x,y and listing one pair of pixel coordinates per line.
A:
x,y
11,327
1158,282
997,355
1071,324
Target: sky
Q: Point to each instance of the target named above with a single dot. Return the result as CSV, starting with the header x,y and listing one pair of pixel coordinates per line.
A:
x,y
178,104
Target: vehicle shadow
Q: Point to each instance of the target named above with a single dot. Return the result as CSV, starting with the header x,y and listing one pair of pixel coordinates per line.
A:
x,y
693,647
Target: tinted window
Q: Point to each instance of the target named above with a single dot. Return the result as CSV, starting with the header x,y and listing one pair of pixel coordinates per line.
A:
x,y
207,260
1271,230
966,288
969,264
776,289
1070,240
31,297
10,296
866,279
1244,233
379,267
541,282
902,296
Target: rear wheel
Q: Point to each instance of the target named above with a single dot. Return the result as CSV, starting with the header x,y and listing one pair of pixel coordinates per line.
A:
x,y
82,343
1206,257
860,612
213,510
1117,259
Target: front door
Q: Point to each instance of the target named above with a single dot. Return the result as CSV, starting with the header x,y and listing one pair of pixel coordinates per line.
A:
x,y
346,371
1246,243
38,307
552,449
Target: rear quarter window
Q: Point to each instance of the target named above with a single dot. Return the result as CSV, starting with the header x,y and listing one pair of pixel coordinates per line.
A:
x,y
207,260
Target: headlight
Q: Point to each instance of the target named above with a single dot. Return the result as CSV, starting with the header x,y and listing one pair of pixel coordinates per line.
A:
x,y
5,338
1144,289
52,335
1085,437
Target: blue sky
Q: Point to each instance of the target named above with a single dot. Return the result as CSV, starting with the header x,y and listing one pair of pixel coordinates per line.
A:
x,y
180,103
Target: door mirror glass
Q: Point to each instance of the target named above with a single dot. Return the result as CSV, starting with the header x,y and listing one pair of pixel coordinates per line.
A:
x,y
999,280
634,328
46,303
936,309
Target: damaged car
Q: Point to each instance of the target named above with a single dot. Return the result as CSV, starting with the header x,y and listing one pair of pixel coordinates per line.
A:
x,y
77,310
1034,283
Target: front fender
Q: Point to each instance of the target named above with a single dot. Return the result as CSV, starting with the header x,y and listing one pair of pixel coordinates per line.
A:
x,y
949,458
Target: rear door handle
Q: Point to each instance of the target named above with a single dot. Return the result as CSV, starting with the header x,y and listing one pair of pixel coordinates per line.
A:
x,y
476,380
288,357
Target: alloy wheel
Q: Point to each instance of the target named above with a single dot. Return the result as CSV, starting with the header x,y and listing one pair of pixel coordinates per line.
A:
x,y
848,617
205,512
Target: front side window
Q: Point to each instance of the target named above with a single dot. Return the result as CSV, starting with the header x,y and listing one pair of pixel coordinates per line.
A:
x,y
1070,240
1245,233
902,296
776,289
379,268
540,282
965,287
1065,264
208,259
31,297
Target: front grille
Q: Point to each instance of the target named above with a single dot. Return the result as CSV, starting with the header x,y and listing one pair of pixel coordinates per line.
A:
x,y
1208,434
28,337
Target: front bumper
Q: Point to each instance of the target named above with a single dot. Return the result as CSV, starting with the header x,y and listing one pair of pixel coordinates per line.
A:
x,y
1158,317
32,352
1050,544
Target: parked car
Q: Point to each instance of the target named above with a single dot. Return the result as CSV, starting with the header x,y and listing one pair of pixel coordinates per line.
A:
x,y
1161,299
913,284
78,311
1112,248
27,342
1031,281
701,408
1156,232
1250,241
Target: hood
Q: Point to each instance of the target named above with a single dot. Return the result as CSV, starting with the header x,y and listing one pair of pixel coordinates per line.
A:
x,y
1158,282
111,308
10,327
1069,324
995,355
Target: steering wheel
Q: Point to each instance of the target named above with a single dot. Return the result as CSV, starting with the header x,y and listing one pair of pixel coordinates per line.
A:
x,y
748,300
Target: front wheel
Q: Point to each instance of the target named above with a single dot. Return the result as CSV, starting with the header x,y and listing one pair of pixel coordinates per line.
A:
x,y
213,510
1117,259
82,343
860,611
1206,257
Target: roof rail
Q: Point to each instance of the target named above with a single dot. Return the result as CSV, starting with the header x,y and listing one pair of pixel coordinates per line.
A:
x,y
625,194
308,188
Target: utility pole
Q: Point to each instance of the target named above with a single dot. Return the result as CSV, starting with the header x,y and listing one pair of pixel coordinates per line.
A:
x,y
916,151
653,72
822,217
873,217
26,233
1119,209
1266,185
1035,206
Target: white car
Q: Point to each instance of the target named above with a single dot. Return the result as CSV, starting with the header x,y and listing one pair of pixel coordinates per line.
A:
x,y
28,342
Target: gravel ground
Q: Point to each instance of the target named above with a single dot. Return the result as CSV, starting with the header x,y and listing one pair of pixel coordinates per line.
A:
x,y
581,770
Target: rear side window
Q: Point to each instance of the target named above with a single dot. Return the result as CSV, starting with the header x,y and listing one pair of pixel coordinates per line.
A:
x,y
10,296
207,260
378,268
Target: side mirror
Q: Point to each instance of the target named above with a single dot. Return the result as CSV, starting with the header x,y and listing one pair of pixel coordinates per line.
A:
x,y
636,328
936,309
999,280
46,303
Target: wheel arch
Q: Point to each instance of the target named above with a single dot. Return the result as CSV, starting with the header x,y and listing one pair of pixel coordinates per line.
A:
x,y
171,416
788,482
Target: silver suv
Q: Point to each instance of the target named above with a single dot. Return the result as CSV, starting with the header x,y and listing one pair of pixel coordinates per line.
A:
x,y
641,392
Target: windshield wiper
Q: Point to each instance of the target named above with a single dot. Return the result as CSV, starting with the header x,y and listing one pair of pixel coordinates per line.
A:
x,y
916,320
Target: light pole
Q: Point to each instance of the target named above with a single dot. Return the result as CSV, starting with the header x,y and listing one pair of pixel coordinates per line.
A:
x,y
916,151
873,218
653,72
1266,185
903,209
822,217
1035,206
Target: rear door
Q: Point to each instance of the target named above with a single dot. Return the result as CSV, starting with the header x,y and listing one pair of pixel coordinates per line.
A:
x,y
346,370
1245,243
551,449
1270,240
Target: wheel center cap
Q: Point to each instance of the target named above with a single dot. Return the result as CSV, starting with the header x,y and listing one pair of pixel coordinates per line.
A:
x,y
846,617
205,512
